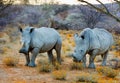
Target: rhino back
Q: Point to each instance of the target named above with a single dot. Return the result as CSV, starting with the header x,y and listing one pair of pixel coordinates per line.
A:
x,y
105,38
45,38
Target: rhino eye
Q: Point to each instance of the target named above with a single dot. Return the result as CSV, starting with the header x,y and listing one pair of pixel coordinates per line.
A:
x,y
81,50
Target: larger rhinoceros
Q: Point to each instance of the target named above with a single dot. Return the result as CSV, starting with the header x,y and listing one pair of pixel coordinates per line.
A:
x,y
40,40
93,42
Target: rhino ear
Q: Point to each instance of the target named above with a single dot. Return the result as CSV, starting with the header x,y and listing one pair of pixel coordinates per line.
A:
x,y
20,29
76,35
82,37
31,30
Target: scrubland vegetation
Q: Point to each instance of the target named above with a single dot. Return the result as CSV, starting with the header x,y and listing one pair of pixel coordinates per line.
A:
x,y
68,20
12,64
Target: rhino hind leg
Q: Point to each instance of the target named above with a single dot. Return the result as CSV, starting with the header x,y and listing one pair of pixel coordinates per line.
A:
x,y
50,56
58,51
104,56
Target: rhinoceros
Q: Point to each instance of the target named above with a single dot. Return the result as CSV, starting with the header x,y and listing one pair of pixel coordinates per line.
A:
x,y
93,42
40,40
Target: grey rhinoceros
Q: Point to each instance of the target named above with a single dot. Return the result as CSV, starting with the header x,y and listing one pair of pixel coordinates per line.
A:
x,y
40,40
93,42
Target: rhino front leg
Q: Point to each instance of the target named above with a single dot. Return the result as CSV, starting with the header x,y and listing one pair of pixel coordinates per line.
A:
x,y
92,57
84,61
27,59
33,57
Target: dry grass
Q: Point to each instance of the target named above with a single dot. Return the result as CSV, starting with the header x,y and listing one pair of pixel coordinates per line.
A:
x,y
57,66
76,66
10,60
49,73
107,71
86,77
44,66
59,74
117,53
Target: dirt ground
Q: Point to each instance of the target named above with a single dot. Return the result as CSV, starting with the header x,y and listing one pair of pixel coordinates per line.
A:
x,y
23,74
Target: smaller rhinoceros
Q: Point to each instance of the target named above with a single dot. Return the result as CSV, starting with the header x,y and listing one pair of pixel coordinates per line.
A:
x,y
93,42
40,40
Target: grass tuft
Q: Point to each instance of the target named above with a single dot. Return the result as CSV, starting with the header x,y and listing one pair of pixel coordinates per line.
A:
x,y
59,74
44,66
77,66
107,71
10,60
86,77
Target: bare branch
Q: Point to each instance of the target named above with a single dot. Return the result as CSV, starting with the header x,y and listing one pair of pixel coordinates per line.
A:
x,y
103,6
117,1
5,4
101,10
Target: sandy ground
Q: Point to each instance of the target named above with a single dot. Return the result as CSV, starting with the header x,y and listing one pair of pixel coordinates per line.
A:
x,y
23,74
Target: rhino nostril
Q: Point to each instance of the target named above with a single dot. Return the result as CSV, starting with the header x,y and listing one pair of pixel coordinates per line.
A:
x,y
74,57
20,51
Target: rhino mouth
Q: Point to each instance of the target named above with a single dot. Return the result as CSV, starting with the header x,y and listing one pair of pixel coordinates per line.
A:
x,y
75,59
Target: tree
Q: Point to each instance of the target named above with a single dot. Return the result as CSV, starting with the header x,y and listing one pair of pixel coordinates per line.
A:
x,y
91,17
103,9
4,4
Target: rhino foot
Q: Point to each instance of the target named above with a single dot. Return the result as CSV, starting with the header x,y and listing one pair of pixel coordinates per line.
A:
x,y
31,65
103,63
26,64
91,66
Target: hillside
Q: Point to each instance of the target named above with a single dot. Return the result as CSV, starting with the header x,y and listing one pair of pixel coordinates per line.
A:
x,y
60,16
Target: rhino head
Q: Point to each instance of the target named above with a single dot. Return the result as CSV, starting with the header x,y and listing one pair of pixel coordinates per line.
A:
x,y
81,47
25,39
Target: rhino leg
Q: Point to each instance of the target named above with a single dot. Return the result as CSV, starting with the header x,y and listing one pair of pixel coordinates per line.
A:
x,y
27,59
34,54
92,57
104,56
84,61
51,57
58,51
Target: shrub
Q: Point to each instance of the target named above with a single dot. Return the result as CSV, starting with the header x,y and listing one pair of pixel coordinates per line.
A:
x,y
77,66
86,77
107,71
57,66
59,74
10,60
44,67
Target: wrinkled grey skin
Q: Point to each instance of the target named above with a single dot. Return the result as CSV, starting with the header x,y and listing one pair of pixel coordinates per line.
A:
x,y
40,40
93,42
